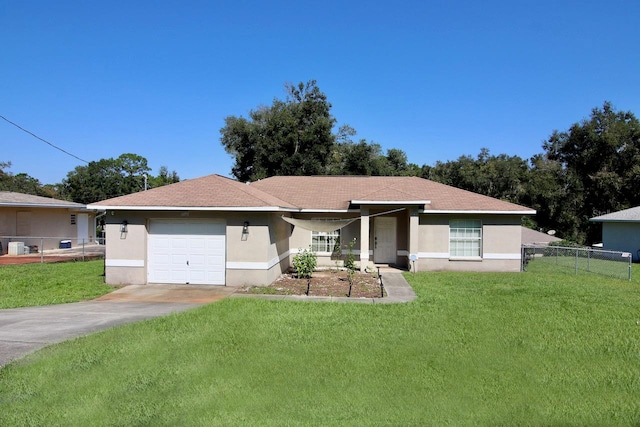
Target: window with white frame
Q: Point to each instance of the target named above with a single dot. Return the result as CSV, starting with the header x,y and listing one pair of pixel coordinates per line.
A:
x,y
465,238
324,241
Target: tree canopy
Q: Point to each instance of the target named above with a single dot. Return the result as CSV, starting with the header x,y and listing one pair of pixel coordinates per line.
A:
x,y
502,176
292,137
22,183
593,168
366,158
107,178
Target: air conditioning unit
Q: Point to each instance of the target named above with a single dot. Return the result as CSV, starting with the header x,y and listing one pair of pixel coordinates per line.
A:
x,y
16,248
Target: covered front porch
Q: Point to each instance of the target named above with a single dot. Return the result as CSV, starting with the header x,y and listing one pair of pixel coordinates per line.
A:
x,y
375,234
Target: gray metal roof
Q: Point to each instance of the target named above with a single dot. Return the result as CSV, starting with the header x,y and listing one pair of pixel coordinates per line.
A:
x,y
626,215
9,198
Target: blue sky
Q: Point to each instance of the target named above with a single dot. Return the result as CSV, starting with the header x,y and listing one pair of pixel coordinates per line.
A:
x,y
437,79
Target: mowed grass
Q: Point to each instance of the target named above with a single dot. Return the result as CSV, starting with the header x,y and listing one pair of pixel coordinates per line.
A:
x,y
44,284
473,349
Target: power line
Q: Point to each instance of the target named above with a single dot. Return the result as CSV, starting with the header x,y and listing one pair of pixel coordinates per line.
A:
x,y
41,139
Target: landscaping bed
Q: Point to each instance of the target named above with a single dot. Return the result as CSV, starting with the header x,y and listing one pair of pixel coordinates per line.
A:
x,y
333,283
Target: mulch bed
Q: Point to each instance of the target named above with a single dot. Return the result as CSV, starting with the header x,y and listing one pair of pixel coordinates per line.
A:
x,y
332,283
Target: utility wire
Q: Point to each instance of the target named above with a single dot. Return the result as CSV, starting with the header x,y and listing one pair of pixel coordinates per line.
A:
x,y
41,139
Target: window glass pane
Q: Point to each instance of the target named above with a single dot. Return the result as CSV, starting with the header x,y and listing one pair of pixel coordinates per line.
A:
x,y
324,242
465,238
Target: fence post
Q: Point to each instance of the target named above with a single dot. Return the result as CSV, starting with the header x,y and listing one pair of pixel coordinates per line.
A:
x,y
577,251
557,255
42,250
83,249
588,259
630,258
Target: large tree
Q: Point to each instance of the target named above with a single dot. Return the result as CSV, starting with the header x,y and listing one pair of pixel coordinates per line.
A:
x,y
366,158
164,177
106,178
291,137
21,183
599,167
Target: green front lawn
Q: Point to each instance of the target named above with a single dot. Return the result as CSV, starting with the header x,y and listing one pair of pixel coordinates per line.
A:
x,y
44,284
473,349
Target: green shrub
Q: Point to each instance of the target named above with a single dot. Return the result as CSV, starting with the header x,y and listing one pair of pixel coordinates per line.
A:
x,y
566,243
304,263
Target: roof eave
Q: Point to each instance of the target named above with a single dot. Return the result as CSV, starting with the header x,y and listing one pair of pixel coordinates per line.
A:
x,y
614,220
37,205
194,208
477,211
391,202
312,210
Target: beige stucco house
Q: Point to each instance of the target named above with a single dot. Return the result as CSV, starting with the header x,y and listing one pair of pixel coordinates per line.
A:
x,y
43,221
215,230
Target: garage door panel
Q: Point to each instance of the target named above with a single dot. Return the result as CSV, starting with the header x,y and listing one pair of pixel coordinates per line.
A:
x,y
162,275
189,251
178,242
197,260
178,261
178,276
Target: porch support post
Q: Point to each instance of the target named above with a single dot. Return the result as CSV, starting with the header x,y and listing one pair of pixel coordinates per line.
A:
x,y
414,236
364,238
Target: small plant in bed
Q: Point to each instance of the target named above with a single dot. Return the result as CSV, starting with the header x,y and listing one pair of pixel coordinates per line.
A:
x,y
305,263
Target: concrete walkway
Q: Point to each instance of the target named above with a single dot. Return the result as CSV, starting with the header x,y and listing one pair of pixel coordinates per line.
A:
x,y
23,330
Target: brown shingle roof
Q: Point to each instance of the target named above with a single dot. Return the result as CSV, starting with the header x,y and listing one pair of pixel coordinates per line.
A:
x,y
336,192
312,193
207,191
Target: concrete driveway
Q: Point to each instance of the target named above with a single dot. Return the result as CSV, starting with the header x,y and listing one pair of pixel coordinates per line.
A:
x,y
23,330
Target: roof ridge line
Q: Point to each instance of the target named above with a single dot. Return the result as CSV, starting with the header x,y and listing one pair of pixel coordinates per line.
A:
x,y
248,184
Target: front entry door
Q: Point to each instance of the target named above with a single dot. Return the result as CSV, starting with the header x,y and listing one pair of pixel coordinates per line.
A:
x,y
384,240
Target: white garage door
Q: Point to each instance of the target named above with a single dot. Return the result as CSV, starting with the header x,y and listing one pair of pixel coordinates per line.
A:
x,y
186,252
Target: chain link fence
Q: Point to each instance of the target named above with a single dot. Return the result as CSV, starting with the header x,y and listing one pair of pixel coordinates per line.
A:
x,y
579,259
32,249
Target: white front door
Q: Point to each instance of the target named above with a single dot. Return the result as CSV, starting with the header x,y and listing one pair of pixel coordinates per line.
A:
x,y
186,252
384,240
82,225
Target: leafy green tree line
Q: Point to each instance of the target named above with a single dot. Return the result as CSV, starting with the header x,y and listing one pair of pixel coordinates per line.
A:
x,y
98,180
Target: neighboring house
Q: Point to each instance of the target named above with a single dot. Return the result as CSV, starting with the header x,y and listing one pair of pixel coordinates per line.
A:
x,y
214,230
43,221
533,237
621,231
